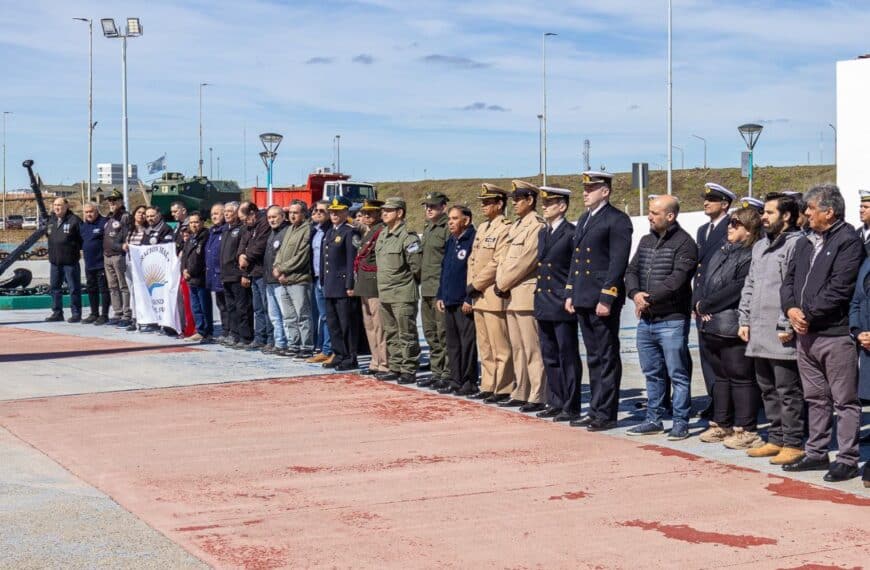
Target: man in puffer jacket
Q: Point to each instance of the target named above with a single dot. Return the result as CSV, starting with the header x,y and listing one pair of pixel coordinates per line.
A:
x,y
194,272
658,279
213,265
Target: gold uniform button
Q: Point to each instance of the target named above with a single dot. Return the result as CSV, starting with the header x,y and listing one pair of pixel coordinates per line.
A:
x,y
587,273
576,249
588,249
588,261
576,273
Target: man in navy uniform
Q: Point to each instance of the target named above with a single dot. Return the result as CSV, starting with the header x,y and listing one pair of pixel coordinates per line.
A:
x,y
560,348
336,272
596,293
864,212
710,238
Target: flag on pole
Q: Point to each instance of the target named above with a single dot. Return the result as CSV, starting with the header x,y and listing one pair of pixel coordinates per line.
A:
x,y
156,274
157,165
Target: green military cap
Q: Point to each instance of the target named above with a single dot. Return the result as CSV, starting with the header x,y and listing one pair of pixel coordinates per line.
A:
x,y
371,205
394,203
489,191
435,199
522,189
115,194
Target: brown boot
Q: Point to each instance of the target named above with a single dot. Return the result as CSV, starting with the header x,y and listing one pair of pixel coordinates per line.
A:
x,y
715,433
317,358
787,456
766,450
742,439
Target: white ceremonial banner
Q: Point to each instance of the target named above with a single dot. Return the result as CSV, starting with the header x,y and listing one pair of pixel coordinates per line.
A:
x,y
156,276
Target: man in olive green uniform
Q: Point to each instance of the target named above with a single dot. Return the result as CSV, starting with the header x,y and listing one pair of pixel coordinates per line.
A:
x,y
435,236
397,254
516,281
490,321
366,288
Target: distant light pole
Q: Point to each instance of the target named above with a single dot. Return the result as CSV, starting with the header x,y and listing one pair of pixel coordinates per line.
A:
x,y
133,30
835,142
670,99
271,141
219,167
91,123
201,85
750,133
541,145
210,161
337,153
682,157
4,167
703,140
544,113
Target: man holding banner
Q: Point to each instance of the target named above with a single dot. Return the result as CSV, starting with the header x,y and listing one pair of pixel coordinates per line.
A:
x,y
156,276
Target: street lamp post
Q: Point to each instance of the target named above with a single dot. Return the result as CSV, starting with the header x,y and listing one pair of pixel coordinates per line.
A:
x,y
133,30
201,85
271,141
541,145
90,103
703,140
210,162
337,153
670,99
4,167
219,167
682,157
750,133
544,113
835,142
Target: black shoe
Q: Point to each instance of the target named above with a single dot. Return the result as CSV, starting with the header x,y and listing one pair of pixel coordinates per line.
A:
x,y
74,319
449,389
808,464
346,367
291,351
582,422
124,323
497,398
426,382
92,318
467,389
549,412
155,328
865,475
254,345
54,318
532,407
439,385
840,472
113,322
101,321
387,376
407,378
304,355
269,349
601,425
512,403
566,417
131,327
480,396
331,364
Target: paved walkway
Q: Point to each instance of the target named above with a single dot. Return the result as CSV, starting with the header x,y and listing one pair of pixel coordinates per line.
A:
x,y
121,455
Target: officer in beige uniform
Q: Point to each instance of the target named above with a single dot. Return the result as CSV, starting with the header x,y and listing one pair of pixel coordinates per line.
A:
x,y
490,320
516,281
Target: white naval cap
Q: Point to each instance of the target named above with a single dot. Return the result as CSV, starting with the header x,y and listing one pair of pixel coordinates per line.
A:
x,y
713,189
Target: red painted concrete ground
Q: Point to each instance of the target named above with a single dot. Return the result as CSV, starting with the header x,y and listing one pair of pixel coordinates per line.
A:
x,y
343,471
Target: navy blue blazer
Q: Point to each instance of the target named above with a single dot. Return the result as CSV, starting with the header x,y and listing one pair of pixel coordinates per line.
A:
x,y
600,257
336,260
707,247
554,266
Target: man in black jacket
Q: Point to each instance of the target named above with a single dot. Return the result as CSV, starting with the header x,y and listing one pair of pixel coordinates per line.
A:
x,y
658,279
816,293
238,297
158,230
64,247
251,252
711,237
115,258
193,271
596,293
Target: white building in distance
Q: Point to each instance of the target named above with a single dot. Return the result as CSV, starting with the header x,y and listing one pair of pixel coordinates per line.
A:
x,y
110,174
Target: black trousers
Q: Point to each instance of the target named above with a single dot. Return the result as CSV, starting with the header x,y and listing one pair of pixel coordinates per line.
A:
x,y
560,351
341,318
221,300
98,291
461,346
706,370
783,398
239,311
736,398
601,338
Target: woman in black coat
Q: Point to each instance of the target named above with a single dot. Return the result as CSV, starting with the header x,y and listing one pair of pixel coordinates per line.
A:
x,y
736,397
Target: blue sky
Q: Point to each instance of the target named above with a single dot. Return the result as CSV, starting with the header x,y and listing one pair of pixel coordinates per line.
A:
x,y
449,88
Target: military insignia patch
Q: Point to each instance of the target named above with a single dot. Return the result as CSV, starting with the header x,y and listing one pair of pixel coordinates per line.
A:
x,y
276,244
337,239
356,241
461,254
413,248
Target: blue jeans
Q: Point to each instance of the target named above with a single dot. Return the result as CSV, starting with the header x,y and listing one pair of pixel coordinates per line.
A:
x,y
664,352
200,304
322,329
273,291
263,332
72,274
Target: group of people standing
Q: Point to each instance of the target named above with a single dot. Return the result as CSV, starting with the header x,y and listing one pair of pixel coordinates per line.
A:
x,y
779,290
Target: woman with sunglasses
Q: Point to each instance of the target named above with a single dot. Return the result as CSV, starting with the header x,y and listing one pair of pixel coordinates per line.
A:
x,y
736,396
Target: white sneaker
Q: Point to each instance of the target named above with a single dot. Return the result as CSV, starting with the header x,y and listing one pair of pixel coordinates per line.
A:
x,y
194,338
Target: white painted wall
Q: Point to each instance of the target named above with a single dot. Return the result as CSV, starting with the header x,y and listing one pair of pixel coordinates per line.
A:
x,y
853,132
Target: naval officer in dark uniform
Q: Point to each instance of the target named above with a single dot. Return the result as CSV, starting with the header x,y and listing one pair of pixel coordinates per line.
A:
x,y
710,239
336,270
560,347
864,211
596,293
